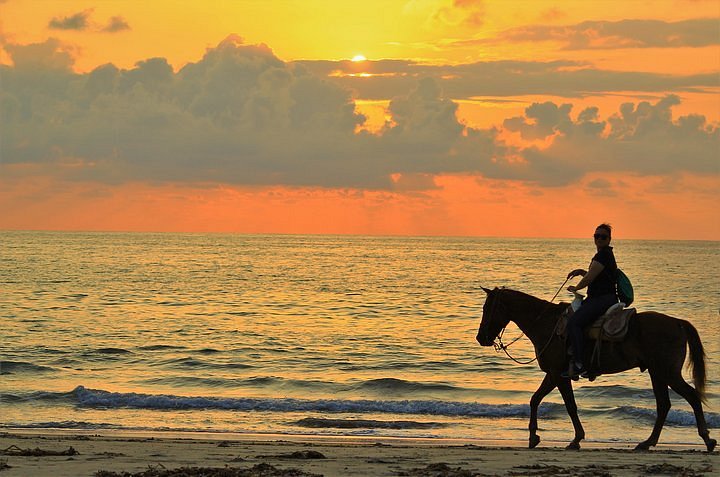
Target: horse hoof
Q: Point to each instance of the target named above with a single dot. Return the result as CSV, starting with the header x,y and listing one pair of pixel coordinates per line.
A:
x,y
534,441
643,446
711,443
573,446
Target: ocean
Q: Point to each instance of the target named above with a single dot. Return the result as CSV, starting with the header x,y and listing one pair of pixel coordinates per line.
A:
x,y
340,336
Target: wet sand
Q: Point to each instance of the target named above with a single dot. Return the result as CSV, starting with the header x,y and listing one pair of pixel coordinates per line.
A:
x,y
108,455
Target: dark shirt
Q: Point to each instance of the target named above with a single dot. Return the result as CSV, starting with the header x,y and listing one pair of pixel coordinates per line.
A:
x,y
604,284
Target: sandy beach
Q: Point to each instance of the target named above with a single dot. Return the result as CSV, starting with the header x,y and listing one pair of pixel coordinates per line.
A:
x,y
57,455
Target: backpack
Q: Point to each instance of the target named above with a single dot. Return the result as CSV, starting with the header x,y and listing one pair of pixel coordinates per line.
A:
x,y
624,288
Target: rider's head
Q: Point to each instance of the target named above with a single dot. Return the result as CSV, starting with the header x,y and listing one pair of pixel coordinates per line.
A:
x,y
603,234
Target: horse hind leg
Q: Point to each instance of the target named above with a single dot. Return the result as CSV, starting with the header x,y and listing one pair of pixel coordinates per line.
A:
x,y
662,399
680,386
547,385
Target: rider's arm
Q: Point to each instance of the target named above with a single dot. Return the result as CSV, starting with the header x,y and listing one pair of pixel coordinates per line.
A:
x,y
595,269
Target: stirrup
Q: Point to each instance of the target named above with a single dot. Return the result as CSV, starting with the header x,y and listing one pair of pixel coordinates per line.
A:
x,y
575,373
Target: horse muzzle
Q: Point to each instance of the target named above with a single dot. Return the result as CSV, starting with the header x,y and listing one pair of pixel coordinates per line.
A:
x,y
483,339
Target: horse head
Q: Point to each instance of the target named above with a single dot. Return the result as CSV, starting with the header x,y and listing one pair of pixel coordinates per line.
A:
x,y
494,317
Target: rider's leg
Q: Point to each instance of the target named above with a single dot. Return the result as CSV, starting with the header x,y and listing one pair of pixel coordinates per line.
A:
x,y
590,310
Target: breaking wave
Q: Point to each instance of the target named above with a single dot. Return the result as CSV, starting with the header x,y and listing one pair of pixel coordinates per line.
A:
x,y
105,399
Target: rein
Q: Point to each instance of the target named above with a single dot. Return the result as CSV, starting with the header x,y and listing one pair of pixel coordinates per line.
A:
x,y
499,345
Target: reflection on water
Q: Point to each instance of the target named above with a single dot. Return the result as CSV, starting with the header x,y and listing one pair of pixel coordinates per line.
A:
x,y
365,323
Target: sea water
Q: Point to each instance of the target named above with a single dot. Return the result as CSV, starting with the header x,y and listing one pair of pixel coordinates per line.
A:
x,y
317,335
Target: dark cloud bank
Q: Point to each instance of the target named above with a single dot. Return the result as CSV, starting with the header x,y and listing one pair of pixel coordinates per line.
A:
x,y
242,116
605,35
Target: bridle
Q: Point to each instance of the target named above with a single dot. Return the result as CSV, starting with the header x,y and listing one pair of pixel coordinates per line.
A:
x,y
500,346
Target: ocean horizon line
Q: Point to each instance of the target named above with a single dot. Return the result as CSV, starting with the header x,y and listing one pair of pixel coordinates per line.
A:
x,y
349,235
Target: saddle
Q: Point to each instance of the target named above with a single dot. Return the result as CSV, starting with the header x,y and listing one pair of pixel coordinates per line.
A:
x,y
611,326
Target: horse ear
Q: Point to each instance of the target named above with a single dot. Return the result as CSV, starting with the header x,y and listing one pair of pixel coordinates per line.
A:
x,y
486,290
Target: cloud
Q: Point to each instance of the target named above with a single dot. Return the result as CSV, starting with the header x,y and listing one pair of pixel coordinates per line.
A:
x,y
239,115
242,116
81,22
389,78
620,34
546,119
462,12
36,58
116,24
640,139
446,13
553,13
78,21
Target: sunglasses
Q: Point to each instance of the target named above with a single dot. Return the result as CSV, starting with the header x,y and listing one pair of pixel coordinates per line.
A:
x,y
601,237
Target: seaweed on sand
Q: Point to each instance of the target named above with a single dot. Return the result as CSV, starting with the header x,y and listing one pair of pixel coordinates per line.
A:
x,y
14,450
258,470
438,470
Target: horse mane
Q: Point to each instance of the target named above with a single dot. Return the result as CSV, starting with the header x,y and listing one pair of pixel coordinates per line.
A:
x,y
530,303
523,298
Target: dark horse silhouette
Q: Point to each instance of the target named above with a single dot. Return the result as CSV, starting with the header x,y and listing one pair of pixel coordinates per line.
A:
x,y
655,342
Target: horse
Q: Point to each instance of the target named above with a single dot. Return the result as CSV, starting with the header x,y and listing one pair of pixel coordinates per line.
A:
x,y
655,341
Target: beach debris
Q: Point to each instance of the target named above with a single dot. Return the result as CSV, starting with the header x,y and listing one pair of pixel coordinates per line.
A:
x,y
106,455
676,470
544,470
307,454
440,469
4,465
303,454
258,470
14,450
538,469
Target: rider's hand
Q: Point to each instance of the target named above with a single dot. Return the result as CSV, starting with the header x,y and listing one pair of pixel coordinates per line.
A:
x,y
572,289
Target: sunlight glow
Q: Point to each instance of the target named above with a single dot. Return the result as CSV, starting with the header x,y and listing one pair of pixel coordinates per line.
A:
x,y
358,58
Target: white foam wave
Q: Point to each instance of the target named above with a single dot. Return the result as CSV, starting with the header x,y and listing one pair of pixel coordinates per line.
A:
x,y
676,417
100,398
65,425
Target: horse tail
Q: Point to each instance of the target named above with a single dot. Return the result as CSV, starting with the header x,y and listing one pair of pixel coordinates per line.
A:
x,y
697,358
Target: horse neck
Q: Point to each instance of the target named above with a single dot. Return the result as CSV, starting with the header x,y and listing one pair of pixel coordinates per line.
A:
x,y
528,311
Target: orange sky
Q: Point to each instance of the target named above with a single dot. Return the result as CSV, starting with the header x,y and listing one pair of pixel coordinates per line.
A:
x,y
488,118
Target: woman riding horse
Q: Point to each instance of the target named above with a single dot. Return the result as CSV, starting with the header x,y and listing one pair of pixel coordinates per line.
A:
x,y
656,342
601,295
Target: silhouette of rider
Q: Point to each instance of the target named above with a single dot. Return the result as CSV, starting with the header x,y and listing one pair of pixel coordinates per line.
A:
x,y
601,295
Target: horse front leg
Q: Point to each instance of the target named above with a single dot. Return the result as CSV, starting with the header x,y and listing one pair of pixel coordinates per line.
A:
x,y
565,388
547,385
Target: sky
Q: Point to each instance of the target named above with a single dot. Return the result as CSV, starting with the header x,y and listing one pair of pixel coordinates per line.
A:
x,y
503,118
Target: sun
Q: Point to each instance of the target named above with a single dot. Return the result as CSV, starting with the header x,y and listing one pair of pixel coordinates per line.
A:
x,y
357,58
